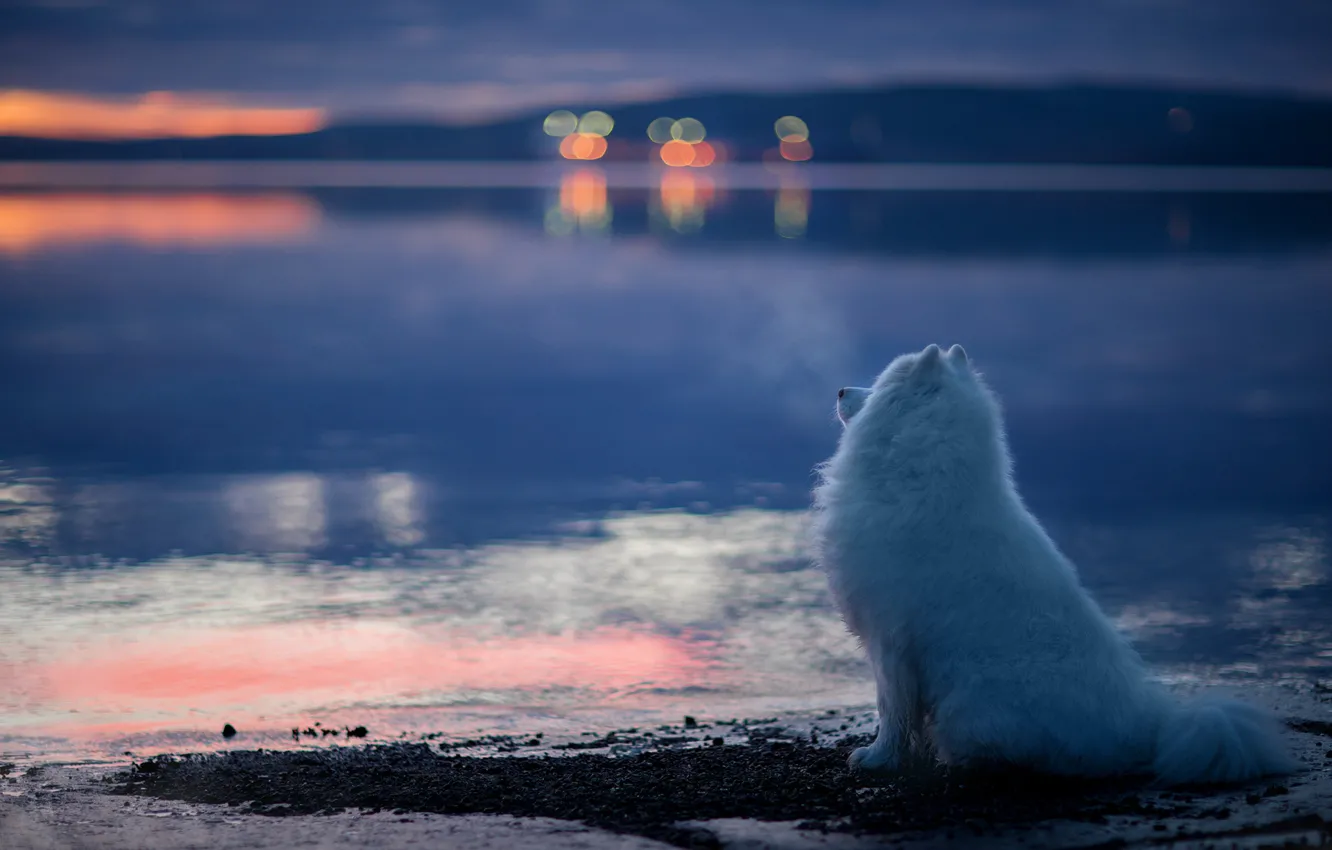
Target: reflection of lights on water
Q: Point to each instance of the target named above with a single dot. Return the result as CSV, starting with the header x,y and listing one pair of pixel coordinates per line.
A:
x,y
1181,120
791,213
580,138
279,512
398,508
34,221
683,198
582,203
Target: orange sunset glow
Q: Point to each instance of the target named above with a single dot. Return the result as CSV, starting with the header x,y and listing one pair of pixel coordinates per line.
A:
x,y
155,115
33,221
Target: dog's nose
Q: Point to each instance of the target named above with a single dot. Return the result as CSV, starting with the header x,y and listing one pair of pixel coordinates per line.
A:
x,y
841,393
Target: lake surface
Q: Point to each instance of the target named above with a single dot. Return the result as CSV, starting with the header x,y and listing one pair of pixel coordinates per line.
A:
x,y
537,457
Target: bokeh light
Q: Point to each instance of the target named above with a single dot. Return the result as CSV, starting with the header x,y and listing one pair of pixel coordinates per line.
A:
x,y
791,129
704,155
589,146
561,122
581,138
689,130
677,154
796,151
583,146
659,130
596,123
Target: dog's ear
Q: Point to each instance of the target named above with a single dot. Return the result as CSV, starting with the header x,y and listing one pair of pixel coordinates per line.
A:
x,y
929,358
957,355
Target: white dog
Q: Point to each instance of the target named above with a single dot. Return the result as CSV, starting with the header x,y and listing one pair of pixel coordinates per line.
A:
x,y
983,642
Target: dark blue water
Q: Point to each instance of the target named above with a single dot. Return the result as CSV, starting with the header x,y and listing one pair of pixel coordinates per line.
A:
x,y
408,394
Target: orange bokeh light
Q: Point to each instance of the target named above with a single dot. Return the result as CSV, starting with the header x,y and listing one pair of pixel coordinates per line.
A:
x,y
677,154
583,146
154,115
796,151
704,155
33,221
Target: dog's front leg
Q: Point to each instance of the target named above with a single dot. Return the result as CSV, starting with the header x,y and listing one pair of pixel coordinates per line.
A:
x,y
899,709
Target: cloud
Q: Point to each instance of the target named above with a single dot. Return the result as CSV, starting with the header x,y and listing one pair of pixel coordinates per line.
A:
x,y
158,114
351,56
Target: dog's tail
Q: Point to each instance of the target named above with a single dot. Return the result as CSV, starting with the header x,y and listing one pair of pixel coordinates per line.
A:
x,y
1217,740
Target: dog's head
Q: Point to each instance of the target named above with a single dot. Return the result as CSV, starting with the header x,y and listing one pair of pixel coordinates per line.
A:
x,y
909,377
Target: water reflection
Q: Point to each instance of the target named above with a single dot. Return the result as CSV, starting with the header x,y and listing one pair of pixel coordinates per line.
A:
x,y
683,198
791,214
42,221
432,461
642,611
283,513
582,204
398,508
28,515
650,605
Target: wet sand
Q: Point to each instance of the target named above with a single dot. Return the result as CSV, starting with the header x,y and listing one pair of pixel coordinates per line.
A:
x,y
756,784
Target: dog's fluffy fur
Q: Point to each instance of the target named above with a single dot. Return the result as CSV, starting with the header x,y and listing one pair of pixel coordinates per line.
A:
x,y
984,644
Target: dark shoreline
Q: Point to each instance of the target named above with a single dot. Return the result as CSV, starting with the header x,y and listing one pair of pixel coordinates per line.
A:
x,y
656,793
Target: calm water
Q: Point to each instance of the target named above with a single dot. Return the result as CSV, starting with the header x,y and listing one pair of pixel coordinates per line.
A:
x,y
491,459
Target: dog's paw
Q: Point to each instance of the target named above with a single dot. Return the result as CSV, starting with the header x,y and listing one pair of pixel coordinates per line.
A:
x,y
874,760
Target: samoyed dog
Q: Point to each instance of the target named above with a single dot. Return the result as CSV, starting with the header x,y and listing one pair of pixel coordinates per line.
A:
x,y
984,644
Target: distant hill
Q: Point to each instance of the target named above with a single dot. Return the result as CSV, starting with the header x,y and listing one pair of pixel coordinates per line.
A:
x,y
1071,124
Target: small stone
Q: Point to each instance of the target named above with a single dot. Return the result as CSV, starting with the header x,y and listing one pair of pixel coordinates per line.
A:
x,y
228,731
358,732
690,723
717,742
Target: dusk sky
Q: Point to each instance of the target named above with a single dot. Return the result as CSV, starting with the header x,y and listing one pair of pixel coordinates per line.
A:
x,y
468,58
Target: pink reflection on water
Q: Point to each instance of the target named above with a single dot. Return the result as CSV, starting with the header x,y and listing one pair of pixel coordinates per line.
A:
x,y
33,221
264,673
